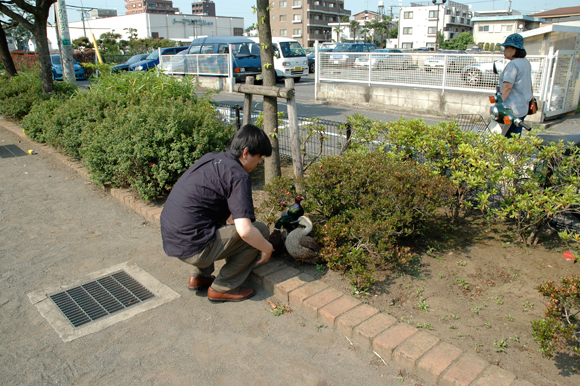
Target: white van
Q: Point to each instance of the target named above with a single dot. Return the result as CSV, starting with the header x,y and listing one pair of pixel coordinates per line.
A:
x,y
289,58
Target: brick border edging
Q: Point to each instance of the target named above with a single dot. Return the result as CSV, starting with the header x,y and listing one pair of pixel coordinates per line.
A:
x,y
418,351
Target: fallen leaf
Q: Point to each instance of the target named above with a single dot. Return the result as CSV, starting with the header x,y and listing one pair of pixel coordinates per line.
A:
x,y
271,304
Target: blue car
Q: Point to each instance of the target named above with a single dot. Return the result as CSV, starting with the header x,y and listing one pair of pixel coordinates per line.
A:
x,y
57,68
125,66
153,59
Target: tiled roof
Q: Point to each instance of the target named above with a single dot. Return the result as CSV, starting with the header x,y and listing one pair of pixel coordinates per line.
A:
x,y
567,11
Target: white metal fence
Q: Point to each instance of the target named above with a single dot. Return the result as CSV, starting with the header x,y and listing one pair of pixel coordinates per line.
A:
x,y
555,77
429,70
209,64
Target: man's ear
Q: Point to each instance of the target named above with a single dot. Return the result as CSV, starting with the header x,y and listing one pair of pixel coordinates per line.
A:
x,y
245,153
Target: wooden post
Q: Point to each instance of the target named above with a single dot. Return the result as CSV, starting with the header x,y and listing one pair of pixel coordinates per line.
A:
x,y
294,136
248,103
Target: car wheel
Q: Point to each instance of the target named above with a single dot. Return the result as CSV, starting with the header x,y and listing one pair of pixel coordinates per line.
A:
x,y
311,67
428,69
297,79
472,77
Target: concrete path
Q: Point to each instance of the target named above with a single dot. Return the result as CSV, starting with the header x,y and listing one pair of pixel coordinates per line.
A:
x,y
56,228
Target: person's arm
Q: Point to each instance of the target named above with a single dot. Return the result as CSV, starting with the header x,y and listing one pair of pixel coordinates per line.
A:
x,y
251,235
230,220
506,89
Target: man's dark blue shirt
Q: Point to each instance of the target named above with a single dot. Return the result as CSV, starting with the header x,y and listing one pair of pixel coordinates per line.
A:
x,y
202,200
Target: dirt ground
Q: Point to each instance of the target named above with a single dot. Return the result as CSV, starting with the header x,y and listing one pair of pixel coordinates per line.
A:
x,y
475,290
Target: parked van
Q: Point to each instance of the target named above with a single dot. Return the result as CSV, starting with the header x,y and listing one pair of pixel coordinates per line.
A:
x,y
245,51
289,58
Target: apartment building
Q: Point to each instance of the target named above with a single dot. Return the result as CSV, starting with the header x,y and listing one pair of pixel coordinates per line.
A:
x,y
205,7
150,6
366,15
306,20
494,29
419,23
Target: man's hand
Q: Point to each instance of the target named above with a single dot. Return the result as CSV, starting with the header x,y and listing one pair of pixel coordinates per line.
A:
x,y
251,235
264,257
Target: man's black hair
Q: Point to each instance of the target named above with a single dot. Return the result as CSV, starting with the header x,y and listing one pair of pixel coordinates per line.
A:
x,y
251,137
520,53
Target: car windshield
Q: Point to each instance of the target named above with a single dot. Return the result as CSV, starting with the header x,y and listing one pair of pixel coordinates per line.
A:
x,y
56,60
291,49
343,48
154,55
134,59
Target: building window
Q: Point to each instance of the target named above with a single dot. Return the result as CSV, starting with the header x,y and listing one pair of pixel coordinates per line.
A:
x,y
298,3
408,15
432,30
273,32
297,32
283,32
430,45
297,17
408,31
506,28
483,28
316,17
407,45
433,14
283,4
134,6
317,3
282,18
274,17
330,5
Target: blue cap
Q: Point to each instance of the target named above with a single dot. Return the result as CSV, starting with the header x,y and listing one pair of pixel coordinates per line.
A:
x,y
514,40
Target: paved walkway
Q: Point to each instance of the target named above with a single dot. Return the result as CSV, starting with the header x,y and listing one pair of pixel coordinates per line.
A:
x,y
84,230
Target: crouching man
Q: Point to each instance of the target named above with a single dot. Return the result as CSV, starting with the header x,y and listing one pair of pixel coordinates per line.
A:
x,y
209,216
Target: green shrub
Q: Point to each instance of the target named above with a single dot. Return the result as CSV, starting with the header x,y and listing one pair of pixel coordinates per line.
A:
x,y
534,183
19,93
148,148
560,330
370,200
139,130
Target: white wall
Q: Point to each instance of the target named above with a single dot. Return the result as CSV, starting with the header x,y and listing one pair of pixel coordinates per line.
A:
x,y
167,26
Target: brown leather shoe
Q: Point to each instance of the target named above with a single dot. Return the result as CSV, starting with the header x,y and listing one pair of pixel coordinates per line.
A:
x,y
199,282
236,296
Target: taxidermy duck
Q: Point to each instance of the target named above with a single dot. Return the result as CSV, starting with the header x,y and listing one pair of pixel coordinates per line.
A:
x,y
296,210
303,248
275,238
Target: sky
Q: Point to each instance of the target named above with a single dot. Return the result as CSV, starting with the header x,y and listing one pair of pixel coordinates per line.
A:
x,y
243,8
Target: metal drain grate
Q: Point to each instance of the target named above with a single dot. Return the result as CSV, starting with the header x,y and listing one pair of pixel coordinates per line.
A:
x,y
102,297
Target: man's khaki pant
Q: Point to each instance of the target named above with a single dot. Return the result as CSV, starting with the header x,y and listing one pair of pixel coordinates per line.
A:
x,y
240,258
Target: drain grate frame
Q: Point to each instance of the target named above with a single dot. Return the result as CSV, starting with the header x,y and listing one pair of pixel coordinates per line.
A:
x,y
99,298
63,327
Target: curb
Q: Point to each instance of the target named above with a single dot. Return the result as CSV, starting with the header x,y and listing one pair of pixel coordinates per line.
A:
x,y
418,351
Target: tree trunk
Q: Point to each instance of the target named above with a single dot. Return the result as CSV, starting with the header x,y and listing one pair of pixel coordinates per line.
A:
x,y
5,54
39,33
271,164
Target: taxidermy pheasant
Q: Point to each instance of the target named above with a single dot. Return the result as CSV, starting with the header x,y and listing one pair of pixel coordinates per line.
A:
x,y
296,210
300,246
276,236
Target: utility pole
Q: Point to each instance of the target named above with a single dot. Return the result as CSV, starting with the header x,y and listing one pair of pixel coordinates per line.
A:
x,y
437,25
64,43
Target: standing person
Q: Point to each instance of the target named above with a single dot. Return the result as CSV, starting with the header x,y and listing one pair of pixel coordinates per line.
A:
x,y
516,80
209,216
